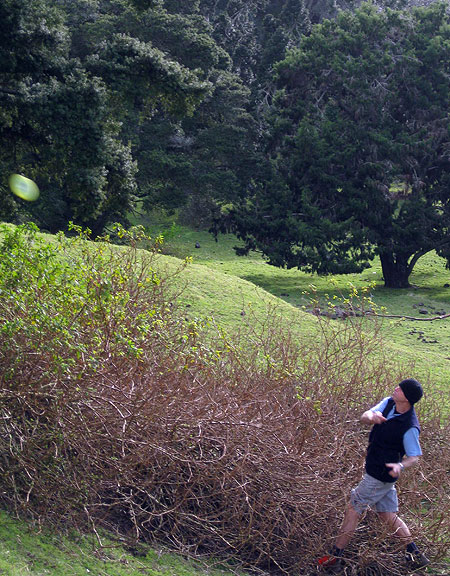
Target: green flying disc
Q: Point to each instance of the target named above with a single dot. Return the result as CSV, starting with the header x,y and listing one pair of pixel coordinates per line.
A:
x,y
23,187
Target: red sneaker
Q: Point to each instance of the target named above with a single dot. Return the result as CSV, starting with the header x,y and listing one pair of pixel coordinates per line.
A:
x,y
327,561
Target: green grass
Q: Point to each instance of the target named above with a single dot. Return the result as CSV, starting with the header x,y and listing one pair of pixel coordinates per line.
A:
x,y
26,551
220,293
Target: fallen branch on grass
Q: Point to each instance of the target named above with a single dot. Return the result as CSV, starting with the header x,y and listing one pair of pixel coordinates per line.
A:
x,y
442,317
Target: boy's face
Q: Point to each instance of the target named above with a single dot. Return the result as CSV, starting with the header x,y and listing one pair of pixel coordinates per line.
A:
x,y
398,395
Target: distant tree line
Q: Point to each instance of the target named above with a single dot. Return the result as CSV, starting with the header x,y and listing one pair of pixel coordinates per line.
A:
x,y
317,131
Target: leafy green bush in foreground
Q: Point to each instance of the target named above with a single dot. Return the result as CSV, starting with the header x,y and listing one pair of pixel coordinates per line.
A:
x,y
117,412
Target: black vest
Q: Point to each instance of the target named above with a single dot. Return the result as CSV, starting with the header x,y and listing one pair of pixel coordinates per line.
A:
x,y
386,442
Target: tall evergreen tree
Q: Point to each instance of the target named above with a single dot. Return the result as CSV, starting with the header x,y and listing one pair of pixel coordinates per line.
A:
x,y
167,130
194,162
360,146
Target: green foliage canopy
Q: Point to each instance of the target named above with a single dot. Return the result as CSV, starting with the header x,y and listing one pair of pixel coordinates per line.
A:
x,y
108,102
72,75
174,93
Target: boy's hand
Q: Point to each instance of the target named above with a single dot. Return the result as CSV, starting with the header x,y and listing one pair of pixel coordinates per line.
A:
x,y
378,418
395,471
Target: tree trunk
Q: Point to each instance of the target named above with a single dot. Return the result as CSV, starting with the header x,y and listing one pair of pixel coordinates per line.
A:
x,y
396,271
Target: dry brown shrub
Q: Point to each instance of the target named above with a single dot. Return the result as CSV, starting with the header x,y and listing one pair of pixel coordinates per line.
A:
x,y
244,448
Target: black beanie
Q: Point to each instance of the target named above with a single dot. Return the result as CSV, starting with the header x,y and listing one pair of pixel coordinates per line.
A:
x,y
412,390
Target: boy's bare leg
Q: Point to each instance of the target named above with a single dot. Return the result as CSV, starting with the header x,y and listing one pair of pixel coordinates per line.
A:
x,y
348,527
399,528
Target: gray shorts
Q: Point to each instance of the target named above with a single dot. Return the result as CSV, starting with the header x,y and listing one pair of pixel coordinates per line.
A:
x,y
370,492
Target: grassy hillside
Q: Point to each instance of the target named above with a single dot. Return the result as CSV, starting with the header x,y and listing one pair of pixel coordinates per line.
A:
x,y
214,278
236,290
